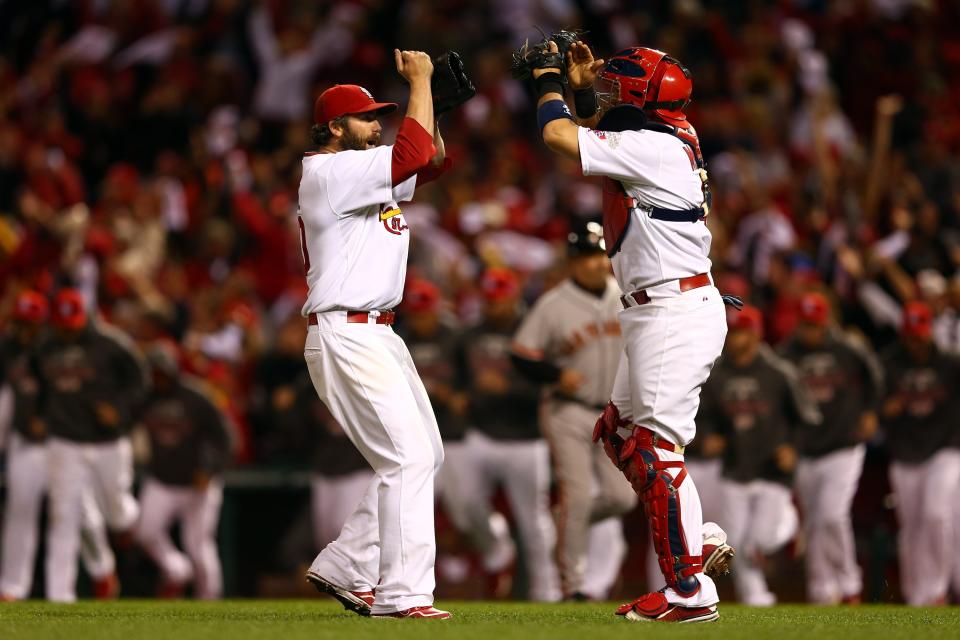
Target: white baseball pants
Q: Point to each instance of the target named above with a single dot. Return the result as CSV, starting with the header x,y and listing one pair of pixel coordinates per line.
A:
x,y
332,500
198,512
760,518
106,470
606,550
491,538
825,488
670,347
27,482
365,376
523,468
924,495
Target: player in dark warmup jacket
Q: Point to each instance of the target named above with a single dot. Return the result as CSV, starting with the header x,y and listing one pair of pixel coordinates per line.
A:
x,y
751,407
94,381
844,379
919,417
190,444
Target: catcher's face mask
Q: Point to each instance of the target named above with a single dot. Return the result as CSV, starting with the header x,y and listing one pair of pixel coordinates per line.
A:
x,y
608,93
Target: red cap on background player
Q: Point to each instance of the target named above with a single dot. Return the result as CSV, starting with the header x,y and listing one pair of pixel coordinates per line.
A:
x,y
421,296
68,310
917,320
31,307
499,283
747,319
341,99
815,309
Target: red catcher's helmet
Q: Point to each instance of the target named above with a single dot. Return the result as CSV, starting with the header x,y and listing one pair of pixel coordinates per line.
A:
x,y
648,79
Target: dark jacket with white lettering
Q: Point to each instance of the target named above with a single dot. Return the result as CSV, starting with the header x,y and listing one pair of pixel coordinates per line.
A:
x,y
930,396
101,366
757,408
844,379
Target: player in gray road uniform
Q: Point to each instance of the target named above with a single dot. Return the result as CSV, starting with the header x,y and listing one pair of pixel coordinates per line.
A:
x,y
570,341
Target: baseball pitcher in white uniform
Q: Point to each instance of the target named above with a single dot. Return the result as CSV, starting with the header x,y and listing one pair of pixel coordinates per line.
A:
x,y
656,200
355,243
570,341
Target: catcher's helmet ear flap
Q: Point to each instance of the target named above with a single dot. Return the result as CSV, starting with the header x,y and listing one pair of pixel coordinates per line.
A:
x,y
649,79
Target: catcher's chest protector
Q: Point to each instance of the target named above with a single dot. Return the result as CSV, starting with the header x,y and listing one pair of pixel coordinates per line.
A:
x,y
618,206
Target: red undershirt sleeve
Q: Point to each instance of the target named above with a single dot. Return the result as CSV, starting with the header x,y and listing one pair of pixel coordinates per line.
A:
x,y
412,150
431,172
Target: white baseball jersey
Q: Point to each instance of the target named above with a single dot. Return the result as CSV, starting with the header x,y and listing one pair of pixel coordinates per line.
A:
x,y
353,236
575,329
657,170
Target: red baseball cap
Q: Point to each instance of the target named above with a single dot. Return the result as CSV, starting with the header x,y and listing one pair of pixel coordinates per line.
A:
x,y
68,309
342,99
815,309
499,283
421,295
917,320
31,307
747,319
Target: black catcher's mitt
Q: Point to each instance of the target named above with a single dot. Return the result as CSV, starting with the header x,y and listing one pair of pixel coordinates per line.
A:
x,y
538,56
450,85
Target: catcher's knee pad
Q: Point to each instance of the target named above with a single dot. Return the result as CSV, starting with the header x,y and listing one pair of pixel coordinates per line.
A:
x,y
659,493
606,430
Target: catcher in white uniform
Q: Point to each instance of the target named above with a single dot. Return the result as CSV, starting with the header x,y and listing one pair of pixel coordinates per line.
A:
x,y
570,340
656,199
355,243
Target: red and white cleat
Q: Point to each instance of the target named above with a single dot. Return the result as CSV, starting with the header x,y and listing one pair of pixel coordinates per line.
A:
x,y
653,607
6,597
716,553
357,601
417,612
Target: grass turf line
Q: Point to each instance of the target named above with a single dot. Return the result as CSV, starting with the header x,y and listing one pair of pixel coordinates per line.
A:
x,y
322,619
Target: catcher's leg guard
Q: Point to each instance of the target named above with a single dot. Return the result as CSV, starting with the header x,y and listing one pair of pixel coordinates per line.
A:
x,y
637,458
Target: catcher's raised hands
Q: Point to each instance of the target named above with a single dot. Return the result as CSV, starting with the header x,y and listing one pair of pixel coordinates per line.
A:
x,y
582,69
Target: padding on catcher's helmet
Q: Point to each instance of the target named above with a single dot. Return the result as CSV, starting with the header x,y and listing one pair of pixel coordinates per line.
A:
x,y
646,78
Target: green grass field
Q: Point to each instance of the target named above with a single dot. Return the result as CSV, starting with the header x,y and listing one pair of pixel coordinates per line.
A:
x,y
320,619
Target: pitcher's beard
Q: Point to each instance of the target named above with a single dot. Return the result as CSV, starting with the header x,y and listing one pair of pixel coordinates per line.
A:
x,y
354,142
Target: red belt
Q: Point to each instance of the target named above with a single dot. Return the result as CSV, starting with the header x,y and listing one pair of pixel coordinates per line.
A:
x,y
353,317
686,284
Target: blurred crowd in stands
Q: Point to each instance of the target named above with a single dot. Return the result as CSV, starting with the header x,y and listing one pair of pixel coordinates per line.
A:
x,y
150,154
